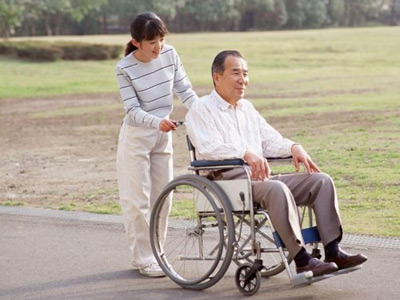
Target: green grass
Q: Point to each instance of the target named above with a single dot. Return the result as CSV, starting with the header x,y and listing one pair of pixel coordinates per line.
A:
x,y
279,62
13,203
109,207
106,208
23,79
100,201
335,91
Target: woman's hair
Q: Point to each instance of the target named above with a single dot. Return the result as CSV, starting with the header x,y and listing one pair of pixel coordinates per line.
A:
x,y
145,26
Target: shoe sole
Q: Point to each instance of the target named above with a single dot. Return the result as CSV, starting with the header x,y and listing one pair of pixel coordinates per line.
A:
x,y
352,264
155,275
326,272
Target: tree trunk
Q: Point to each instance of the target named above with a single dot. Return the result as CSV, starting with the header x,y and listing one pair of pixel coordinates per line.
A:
x,y
47,25
58,18
393,14
178,19
6,33
105,23
31,29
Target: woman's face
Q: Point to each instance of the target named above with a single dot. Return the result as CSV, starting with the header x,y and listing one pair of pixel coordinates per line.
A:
x,y
149,49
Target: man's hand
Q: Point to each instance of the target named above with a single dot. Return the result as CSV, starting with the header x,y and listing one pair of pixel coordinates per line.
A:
x,y
259,166
301,156
167,125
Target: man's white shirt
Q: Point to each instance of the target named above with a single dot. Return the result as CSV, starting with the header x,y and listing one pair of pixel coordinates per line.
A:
x,y
220,131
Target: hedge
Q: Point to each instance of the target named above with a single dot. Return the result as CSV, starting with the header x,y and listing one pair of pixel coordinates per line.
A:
x,y
47,51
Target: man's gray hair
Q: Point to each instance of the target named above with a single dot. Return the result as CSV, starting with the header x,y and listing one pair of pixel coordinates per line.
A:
x,y
218,65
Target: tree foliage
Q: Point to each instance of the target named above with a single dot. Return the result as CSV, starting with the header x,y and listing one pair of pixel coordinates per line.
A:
x,y
10,16
54,17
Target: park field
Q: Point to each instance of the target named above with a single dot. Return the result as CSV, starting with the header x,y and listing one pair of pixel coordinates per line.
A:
x,y
336,91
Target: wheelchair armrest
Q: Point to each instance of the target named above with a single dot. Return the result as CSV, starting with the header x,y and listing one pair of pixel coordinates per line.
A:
x,y
234,162
279,159
216,163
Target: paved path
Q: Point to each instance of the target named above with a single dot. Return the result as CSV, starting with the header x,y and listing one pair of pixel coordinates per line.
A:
x,y
61,255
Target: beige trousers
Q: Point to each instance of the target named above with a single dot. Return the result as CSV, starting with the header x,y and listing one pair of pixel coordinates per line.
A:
x,y
281,195
144,167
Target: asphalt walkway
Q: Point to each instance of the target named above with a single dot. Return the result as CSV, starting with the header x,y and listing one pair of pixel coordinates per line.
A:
x,y
47,254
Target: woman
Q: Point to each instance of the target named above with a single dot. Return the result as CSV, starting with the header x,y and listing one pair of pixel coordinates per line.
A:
x,y
147,77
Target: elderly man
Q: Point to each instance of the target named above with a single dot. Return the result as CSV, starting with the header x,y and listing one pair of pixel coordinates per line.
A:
x,y
223,125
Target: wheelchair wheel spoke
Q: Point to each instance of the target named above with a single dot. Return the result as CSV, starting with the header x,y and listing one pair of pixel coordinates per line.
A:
x,y
192,241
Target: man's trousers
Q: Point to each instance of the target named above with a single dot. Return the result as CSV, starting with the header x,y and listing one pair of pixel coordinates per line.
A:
x,y
280,195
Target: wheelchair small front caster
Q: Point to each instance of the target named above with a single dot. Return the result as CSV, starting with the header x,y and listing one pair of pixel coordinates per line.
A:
x,y
248,281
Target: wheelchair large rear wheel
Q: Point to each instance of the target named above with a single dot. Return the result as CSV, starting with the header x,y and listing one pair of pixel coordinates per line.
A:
x,y
192,232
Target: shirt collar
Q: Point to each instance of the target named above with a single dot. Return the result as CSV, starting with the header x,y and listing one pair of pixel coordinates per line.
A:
x,y
224,105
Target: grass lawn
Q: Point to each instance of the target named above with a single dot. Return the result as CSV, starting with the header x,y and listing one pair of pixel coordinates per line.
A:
x,y
336,91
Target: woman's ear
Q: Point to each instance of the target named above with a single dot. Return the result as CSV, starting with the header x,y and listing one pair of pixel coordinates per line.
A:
x,y
135,43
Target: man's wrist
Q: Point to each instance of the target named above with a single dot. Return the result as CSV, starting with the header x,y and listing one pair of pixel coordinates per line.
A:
x,y
243,154
294,144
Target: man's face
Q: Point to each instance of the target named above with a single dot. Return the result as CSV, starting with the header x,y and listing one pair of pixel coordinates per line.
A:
x,y
231,84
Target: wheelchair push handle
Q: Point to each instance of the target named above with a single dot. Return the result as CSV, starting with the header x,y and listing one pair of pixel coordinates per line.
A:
x,y
178,123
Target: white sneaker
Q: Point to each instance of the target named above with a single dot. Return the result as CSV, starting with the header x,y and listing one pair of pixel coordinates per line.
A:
x,y
135,266
152,270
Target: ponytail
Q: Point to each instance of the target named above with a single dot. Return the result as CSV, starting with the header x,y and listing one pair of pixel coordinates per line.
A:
x,y
129,48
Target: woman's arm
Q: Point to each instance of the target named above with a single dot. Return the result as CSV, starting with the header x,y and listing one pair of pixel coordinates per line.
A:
x,y
182,85
132,107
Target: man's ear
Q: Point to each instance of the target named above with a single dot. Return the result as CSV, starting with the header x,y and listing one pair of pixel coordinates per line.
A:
x,y
216,77
135,43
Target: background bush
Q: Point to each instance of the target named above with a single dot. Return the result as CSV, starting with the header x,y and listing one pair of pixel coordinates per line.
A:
x,y
47,51
7,48
38,53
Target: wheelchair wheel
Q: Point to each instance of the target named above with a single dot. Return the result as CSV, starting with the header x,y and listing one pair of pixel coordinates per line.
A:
x,y
192,233
247,286
272,260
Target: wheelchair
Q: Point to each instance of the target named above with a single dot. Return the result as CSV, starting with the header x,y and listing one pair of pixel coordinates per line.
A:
x,y
198,227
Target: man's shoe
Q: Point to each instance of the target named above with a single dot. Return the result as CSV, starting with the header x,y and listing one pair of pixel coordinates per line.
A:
x,y
152,270
345,260
318,267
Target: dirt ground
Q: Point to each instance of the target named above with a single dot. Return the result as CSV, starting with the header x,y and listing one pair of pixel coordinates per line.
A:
x,y
53,161
55,156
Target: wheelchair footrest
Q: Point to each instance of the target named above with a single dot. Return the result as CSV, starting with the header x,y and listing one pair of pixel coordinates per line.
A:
x,y
305,279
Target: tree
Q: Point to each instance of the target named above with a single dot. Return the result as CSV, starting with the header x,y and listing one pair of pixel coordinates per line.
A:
x,y
167,9
250,11
10,16
315,13
295,12
357,12
32,13
53,12
394,12
210,15
389,11
276,17
336,9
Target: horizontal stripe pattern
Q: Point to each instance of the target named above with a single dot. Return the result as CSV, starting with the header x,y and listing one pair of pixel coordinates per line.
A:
x,y
146,89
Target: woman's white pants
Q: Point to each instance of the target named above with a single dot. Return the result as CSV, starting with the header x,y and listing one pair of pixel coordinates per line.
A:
x,y
144,167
